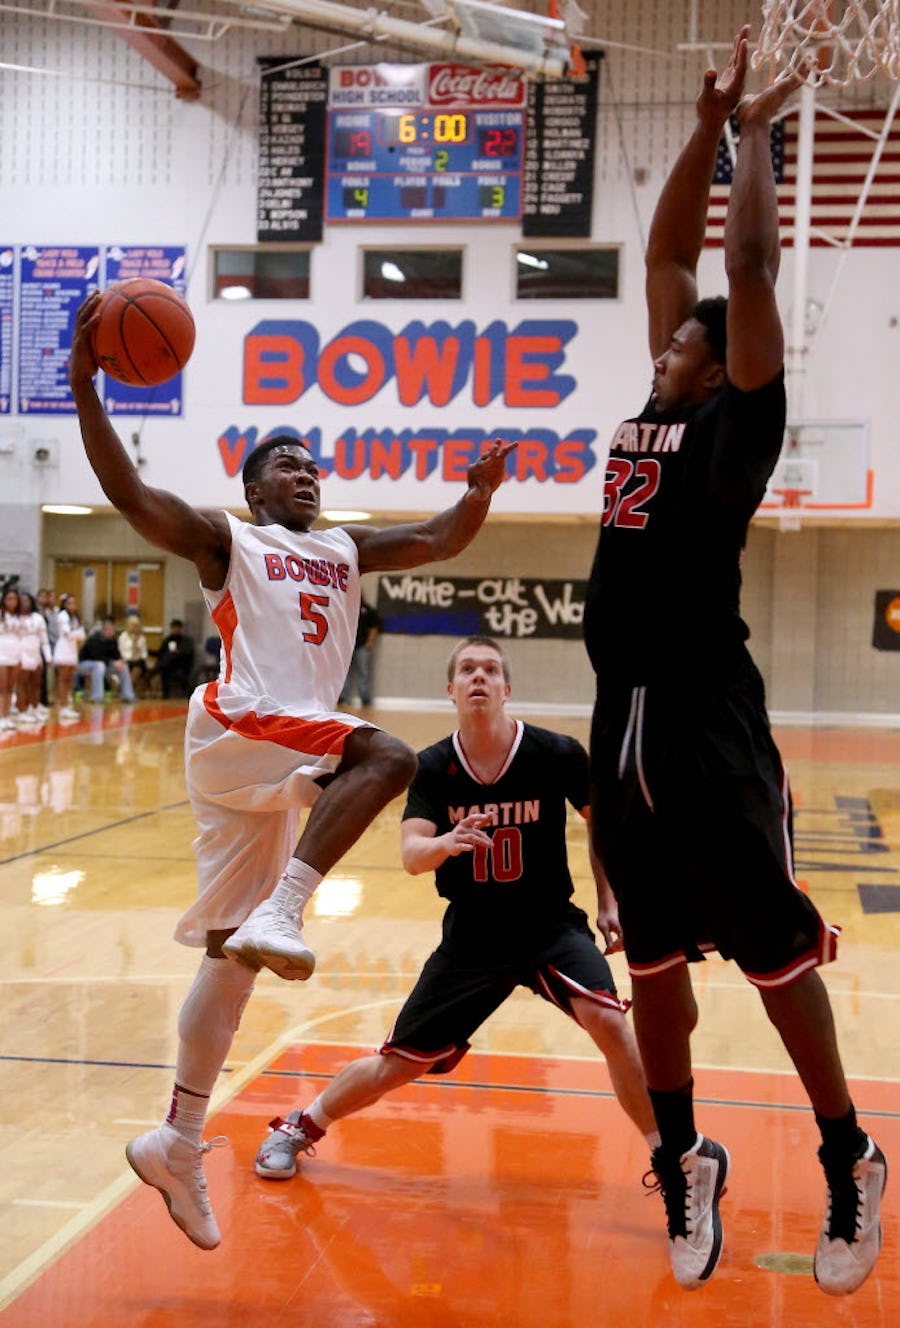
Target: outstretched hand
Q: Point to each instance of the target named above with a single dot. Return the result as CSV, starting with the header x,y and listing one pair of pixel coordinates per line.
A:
x,y
721,93
761,106
83,363
489,471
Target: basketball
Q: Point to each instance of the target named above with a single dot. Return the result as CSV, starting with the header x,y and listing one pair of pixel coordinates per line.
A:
x,y
144,333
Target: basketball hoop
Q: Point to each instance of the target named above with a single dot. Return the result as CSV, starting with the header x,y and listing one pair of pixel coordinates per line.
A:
x,y
792,497
790,517
849,40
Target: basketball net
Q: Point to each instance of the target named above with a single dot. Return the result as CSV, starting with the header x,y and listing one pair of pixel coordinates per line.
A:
x,y
849,40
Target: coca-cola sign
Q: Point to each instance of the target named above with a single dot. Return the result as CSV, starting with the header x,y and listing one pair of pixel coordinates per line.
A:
x,y
461,85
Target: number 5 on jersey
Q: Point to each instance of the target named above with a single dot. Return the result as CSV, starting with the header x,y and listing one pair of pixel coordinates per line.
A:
x,y
309,612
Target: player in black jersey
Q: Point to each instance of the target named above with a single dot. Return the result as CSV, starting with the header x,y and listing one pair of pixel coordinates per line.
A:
x,y
691,803
487,813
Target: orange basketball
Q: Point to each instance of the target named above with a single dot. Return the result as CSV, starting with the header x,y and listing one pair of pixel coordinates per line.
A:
x,y
145,332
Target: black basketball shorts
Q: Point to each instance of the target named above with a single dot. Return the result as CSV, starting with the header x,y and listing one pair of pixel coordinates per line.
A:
x,y
454,996
691,814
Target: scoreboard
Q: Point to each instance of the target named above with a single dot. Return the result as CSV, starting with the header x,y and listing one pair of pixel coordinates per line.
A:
x,y
423,143
460,159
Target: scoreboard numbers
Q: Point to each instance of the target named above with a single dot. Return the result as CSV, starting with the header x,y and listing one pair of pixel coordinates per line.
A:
x,y
429,142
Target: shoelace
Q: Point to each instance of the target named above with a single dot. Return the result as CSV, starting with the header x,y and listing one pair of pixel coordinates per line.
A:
x,y
291,1134
844,1204
218,1141
676,1197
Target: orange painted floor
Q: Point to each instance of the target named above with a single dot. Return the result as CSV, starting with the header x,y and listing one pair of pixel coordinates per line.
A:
x,y
508,1194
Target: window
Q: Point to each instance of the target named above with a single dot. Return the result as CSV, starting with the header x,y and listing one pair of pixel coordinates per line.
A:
x,y
276,272
412,274
567,274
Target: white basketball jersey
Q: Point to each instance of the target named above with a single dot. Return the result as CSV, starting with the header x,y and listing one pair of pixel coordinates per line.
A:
x,y
287,616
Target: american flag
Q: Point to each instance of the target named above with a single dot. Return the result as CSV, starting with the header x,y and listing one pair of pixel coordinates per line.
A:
x,y
841,159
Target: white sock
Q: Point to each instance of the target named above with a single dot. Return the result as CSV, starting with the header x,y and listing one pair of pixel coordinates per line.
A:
x,y
296,888
187,1113
208,1021
317,1114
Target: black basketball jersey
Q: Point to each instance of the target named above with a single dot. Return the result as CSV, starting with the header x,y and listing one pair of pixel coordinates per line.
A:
x,y
517,892
663,597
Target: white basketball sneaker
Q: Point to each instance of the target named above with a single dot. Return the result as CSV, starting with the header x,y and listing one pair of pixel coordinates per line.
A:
x,y
851,1233
691,1186
270,938
173,1165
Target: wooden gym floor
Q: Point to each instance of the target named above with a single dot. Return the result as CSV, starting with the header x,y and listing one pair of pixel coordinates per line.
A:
x,y
505,1194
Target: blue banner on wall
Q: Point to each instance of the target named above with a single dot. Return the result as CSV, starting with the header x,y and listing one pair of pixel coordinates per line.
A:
x,y
163,263
7,273
55,280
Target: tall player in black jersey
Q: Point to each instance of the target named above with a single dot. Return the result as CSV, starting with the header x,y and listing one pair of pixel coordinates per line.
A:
x,y
487,814
690,799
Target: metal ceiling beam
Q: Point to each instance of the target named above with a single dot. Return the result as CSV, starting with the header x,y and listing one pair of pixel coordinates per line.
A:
x,y
551,61
185,23
149,39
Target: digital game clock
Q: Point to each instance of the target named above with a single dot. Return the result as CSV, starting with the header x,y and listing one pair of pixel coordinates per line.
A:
x,y
424,164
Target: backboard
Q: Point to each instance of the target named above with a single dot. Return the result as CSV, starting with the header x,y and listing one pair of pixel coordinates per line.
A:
x,y
824,469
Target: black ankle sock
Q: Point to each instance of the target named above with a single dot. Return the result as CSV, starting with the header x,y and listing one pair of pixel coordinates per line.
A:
x,y
842,1136
674,1111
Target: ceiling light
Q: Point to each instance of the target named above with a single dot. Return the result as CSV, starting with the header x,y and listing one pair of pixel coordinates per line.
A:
x,y
338,514
391,272
66,509
235,293
529,260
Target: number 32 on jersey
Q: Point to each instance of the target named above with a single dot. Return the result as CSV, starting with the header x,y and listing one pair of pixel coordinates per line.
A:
x,y
629,509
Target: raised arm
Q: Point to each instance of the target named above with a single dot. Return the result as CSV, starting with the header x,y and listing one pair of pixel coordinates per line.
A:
x,y
679,221
161,517
441,536
752,252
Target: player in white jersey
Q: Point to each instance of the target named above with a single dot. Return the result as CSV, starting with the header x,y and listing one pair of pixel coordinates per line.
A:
x,y
264,740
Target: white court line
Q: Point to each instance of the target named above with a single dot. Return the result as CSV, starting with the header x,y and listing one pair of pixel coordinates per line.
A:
x,y
322,974
37,1262
596,1057
48,1203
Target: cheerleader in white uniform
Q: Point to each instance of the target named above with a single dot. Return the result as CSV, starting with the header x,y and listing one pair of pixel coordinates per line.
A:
x,y
65,654
35,653
10,654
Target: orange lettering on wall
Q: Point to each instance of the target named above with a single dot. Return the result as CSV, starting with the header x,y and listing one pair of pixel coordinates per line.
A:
x,y
520,372
456,457
531,459
349,458
277,379
481,371
233,454
367,386
387,459
425,368
570,466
